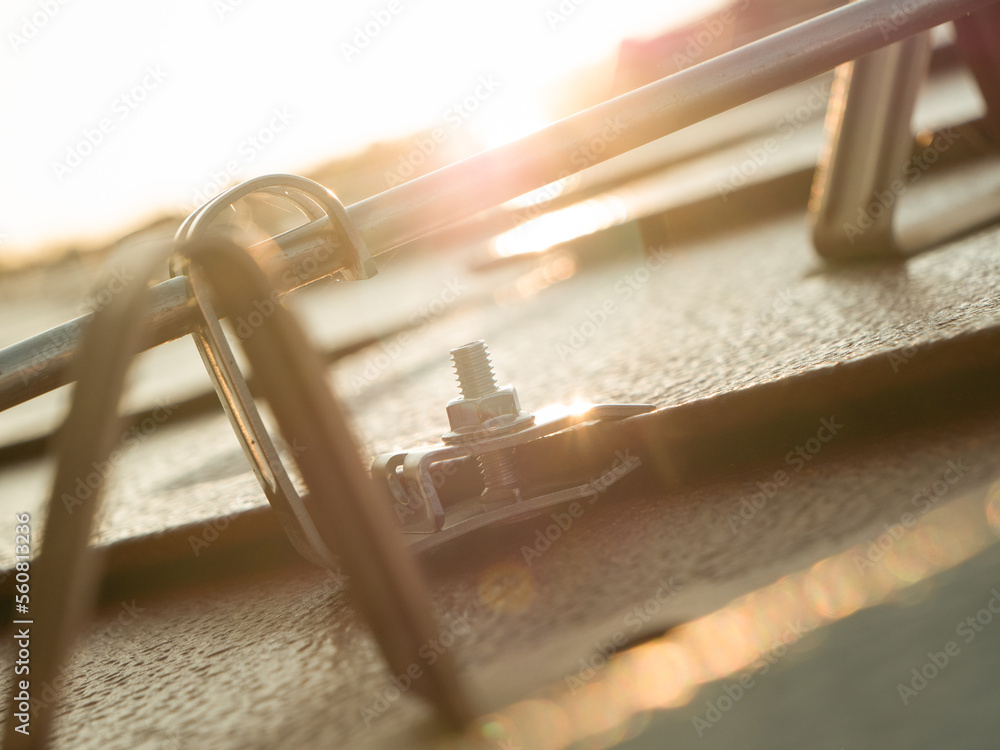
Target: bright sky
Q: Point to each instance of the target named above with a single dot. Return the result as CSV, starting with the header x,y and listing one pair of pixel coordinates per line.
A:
x,y
117,110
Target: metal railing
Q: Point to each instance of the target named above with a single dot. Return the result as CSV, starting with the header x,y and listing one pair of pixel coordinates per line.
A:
x,y
449,195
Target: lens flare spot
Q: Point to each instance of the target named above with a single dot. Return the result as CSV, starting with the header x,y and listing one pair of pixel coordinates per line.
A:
x,y
507,588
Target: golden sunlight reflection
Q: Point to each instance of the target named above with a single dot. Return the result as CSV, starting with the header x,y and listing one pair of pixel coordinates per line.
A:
x,y
542,277
215,96
511,123
561,226
556,411
745,634
543,194
507,587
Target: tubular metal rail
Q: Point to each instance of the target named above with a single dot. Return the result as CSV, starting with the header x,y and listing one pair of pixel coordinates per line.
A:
x,y
451,194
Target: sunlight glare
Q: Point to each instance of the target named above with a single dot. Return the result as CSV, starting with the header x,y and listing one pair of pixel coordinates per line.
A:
x,y
244,89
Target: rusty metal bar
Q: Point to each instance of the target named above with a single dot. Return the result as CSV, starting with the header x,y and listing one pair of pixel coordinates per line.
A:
x,y
442,198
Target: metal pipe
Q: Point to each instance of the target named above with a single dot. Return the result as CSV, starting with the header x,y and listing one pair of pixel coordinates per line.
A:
x,y
444,197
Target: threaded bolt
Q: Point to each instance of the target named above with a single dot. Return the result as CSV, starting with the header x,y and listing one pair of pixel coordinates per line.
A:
x,y
476,379
499,469
475,373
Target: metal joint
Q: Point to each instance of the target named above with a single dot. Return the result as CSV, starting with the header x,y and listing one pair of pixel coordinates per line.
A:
x,y
314,200
234,392
487,425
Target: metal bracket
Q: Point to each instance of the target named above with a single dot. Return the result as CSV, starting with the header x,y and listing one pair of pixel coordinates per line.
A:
x,y
229,383
411,478
868,142
863,168
294,188
238,403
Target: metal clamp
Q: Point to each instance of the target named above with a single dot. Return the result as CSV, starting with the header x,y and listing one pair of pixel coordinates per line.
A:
x,y
345,511
238,403
321,202
217,355
487,424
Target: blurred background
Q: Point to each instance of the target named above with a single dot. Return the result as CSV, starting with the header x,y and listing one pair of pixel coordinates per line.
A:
x,y
123,118
119,116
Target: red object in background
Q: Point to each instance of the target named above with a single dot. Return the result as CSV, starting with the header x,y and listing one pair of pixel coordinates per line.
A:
x,y
979,45
642,61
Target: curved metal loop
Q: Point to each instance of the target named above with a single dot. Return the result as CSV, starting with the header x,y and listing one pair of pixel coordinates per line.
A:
x,y
237,401
291,508
351,513
198,221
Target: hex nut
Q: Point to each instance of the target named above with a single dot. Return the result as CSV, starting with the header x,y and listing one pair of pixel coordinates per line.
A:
x,y
501,403
463,415
499,409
